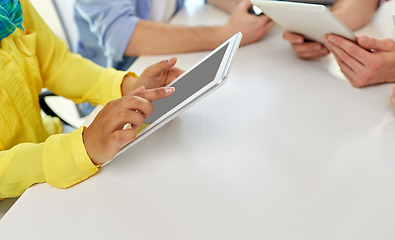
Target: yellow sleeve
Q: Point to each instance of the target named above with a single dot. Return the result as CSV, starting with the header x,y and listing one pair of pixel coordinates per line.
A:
x,y
61,161
68,74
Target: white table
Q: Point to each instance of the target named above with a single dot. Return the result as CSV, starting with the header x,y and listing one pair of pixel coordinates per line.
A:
x,y
284,150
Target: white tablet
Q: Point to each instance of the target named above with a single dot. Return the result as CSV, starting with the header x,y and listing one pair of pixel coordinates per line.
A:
x,y
310,20
193,85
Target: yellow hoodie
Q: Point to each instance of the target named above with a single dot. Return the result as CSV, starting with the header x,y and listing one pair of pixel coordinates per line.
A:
x,y
31,148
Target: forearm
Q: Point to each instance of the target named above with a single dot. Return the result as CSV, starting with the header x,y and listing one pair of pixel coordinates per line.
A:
x,y
353,13
61,161
152,38
226,5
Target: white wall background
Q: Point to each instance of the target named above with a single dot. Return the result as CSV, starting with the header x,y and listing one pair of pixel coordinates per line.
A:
x,y
47,11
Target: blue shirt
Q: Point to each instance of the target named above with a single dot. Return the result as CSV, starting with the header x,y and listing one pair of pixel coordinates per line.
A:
x,y
106,26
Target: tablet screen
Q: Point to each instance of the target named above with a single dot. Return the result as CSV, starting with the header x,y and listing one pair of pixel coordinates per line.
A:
x,y
189,84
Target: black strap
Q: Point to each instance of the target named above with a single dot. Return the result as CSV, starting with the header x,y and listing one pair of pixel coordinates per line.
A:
x,y
44,106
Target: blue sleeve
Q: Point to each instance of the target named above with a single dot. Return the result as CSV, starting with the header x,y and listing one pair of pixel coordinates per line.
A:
x,y
112,22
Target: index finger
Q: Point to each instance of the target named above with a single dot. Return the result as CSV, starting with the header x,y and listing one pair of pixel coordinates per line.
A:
x,y
351,48
155,94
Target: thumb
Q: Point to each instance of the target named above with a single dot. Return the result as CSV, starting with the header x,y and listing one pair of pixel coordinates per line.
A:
x,y
161,66
386,44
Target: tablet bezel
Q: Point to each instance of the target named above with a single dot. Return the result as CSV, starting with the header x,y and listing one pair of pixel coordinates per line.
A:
x,y
218,81
279,12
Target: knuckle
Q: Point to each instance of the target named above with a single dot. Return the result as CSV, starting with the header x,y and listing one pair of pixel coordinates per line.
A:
x,y
377,64
297,48
122,113
314,47
138,94
357,84
352,50
365,75
133,99
117,136
303,55
159,91
343,55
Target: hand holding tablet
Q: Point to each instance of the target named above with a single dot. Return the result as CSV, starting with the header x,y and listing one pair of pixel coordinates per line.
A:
x,y
364,68
364,61
106,137
305,49
157,75
305,24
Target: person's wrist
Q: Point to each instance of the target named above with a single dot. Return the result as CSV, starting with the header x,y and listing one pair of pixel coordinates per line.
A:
x,y
86,144
226,31
128,85
341,15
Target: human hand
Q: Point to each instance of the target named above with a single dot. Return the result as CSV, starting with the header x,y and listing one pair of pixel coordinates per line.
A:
x,y
253,28
361,67
104,137
154,76
304,49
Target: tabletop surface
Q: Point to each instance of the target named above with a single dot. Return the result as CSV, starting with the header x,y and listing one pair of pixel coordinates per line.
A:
x,y
286,149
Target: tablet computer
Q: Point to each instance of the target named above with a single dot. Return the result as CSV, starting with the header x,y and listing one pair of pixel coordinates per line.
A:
x,y
309,20
193,85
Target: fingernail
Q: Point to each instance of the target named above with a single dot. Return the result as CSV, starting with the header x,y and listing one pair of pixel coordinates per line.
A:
x,y
171,59
332,38
170,89
317,47
142,88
